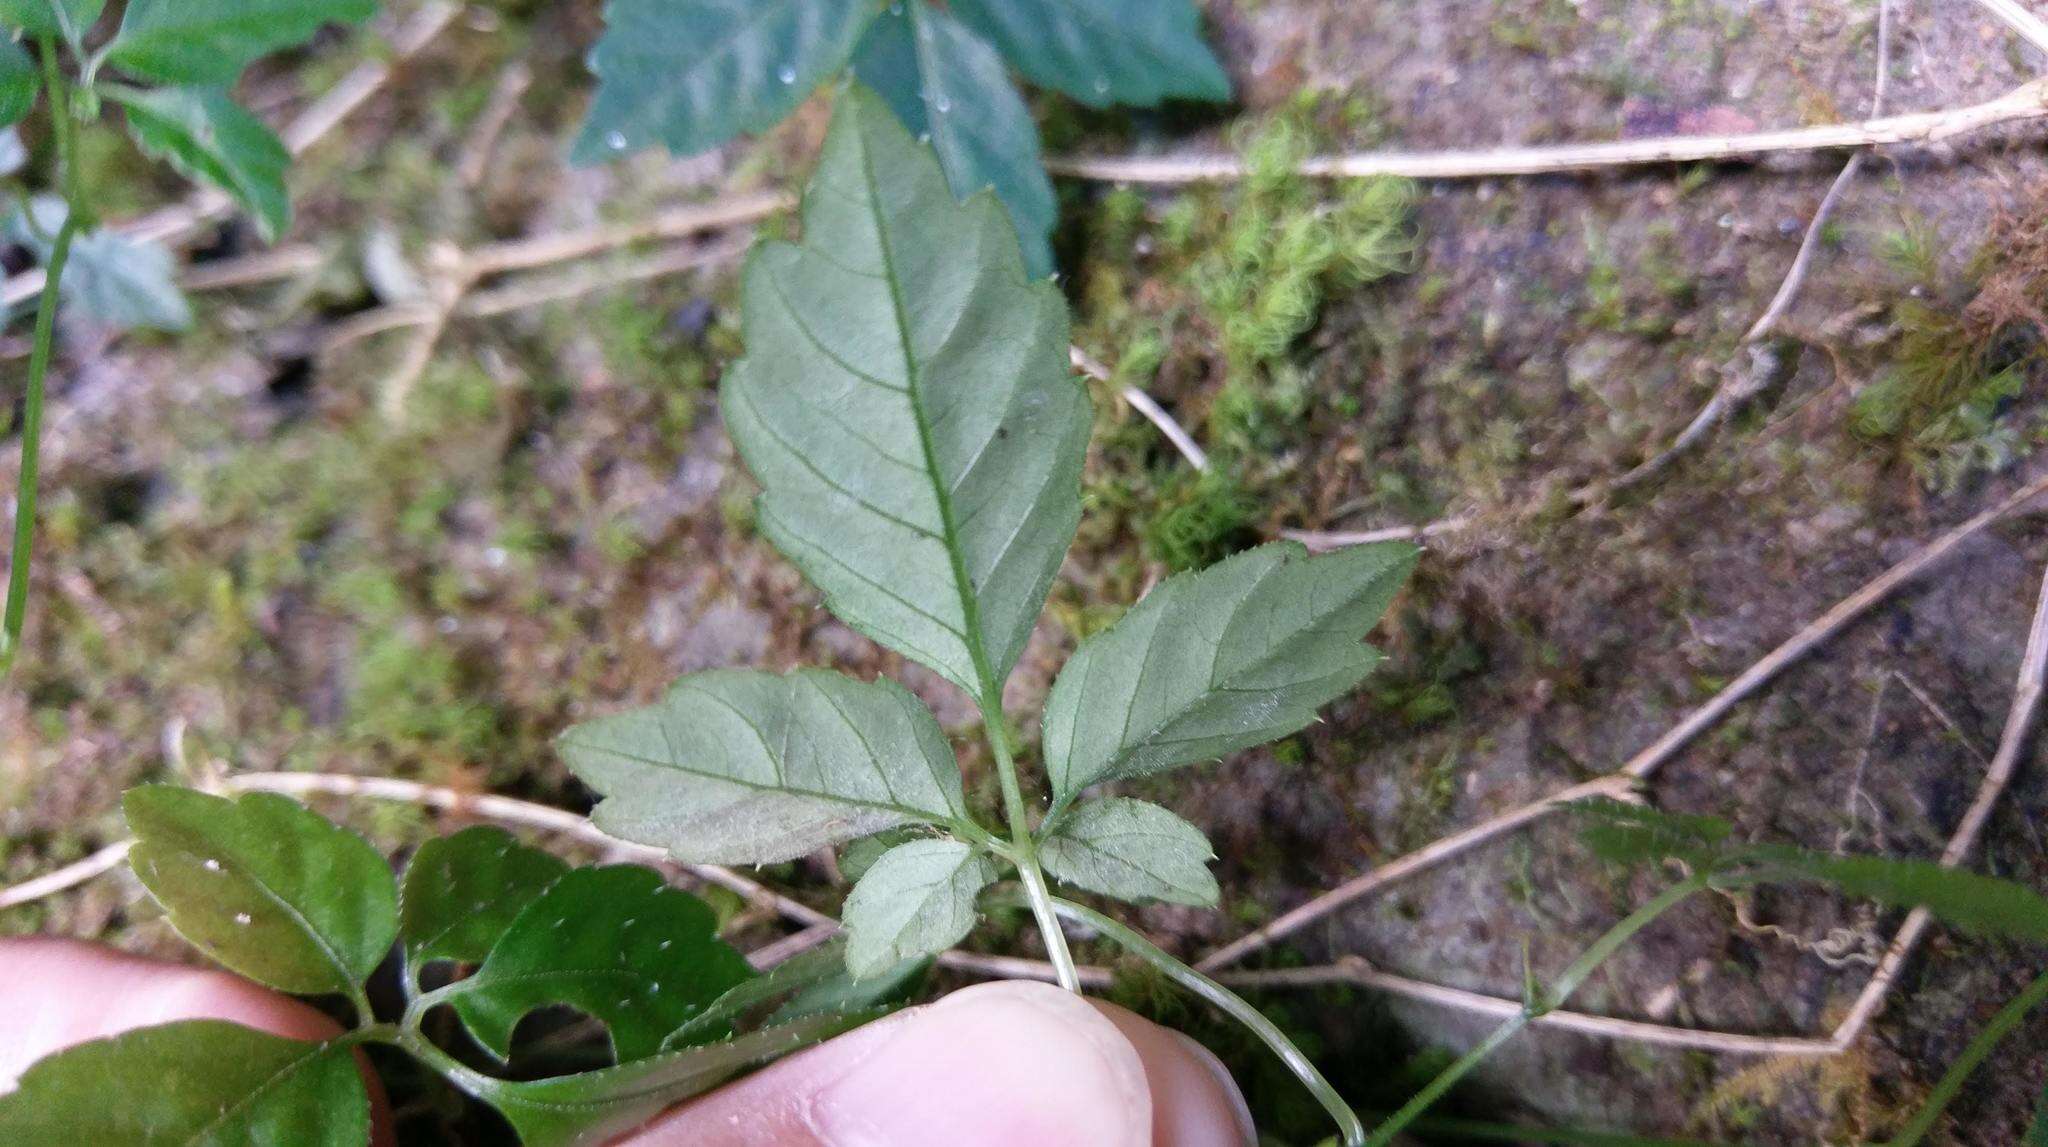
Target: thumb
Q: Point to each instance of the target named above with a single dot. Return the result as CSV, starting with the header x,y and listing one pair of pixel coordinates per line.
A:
x,y
996,1065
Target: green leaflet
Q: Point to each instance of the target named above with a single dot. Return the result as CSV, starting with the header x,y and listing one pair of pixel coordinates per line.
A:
x,y
1104,52
69,19
690,76
122,282
615,942
597,1106
917,899
205,135
1219,660
461,894
20,81
950,87
906,405
197,1082
211,41
743,767
1131,850
264,886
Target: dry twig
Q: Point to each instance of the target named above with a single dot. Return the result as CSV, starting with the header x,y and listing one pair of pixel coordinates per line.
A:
x,y
1643,764
2023,104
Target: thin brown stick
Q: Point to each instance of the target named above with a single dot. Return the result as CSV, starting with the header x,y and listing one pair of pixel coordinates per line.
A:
x,y
490,123
1320,541
306,129
1143,403
2019,19
795,944
674,223
265,266
1644,763
587,280
2025,103
1743,380
2019,724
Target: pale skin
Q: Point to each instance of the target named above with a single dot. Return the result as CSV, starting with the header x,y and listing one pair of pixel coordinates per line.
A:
x,y
996,1065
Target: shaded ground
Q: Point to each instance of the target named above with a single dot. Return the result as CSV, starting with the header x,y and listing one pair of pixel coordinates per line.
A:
x,y
237,546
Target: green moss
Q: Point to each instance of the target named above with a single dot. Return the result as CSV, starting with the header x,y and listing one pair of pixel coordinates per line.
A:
x,y
1201,519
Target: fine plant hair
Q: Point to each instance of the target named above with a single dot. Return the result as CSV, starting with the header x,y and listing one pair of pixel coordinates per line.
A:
x,y
167,66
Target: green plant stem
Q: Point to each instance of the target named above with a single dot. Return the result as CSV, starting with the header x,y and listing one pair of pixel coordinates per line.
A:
x,y
1550,999
1228,1002
1025,849
2001,1025
39,364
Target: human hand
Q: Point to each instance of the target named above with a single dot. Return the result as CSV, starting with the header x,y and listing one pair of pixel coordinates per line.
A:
x,y
996,1065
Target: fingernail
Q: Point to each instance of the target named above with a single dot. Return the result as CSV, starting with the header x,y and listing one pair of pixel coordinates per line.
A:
x,y
1247,1131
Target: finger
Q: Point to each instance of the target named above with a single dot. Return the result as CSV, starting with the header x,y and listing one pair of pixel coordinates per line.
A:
x,y
997,1065
56,994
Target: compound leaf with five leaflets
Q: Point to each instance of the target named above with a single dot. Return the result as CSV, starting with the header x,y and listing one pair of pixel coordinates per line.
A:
x,y
906,404
1219,660
743,767
264,886
194,1082
616,943
1131,850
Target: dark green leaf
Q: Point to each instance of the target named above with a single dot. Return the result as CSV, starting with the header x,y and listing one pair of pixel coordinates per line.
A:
x,y
1632,834
1971,901
949,87
906,404
1104,52
841,993
2037,1129
1219,660
918,899
205,135
797,974
596,1106
20,81
860,855
462,892
69,19
1131,850
197,1082
264,886
741,767
211,41
616,943
690,76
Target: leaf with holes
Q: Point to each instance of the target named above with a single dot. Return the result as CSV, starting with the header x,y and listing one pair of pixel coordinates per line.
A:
x,y
1104,51
740,767
461,893
690,76
949,87
207,136
616,943
196,1082
1131,850
264,886
905,403
211,41
1219,660
917,899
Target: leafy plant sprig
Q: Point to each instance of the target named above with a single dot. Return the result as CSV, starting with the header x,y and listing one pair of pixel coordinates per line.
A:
x,y
278,894
691,74
178,58
906,405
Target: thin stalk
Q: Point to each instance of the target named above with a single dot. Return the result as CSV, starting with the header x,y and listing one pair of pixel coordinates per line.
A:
x,y
1973,1056
1025,849
39,363
1231,1004
1548,1000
